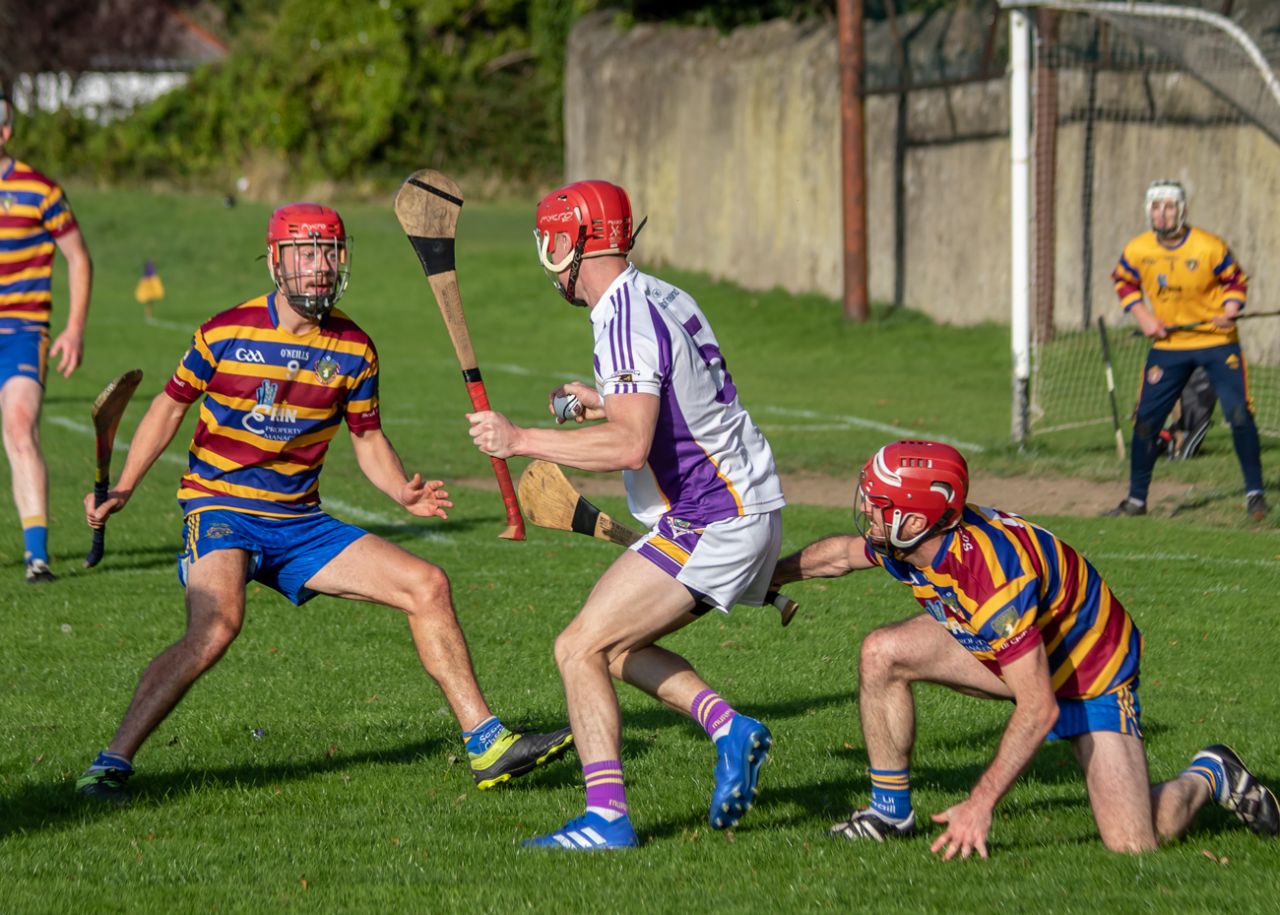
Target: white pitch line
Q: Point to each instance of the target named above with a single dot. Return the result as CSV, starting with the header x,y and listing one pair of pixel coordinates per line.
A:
x,y
170,325
1271,564
363,515
862,423
523,372
826,422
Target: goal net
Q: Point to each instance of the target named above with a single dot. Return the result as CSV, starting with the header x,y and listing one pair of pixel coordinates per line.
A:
x,y
1126,93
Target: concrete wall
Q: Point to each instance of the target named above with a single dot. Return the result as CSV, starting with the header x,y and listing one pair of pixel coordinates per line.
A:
x,y
730,144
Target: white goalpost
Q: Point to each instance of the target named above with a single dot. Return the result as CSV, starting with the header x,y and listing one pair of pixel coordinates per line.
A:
x,y
1104,98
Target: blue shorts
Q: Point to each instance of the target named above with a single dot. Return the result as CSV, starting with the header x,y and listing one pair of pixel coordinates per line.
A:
x,y
1118,711
24,353
284,553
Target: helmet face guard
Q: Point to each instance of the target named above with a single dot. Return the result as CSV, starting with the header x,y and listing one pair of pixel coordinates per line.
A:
x,y
308,256
910,479
1167,190
596,215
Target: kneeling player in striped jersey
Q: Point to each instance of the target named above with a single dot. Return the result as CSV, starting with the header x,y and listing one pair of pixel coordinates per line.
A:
x,y
1012,613
279,374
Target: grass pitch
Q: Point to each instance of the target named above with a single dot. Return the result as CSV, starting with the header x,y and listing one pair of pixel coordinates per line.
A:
x,y
356,794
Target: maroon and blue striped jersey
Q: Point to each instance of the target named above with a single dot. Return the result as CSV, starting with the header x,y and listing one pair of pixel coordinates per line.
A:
x,y
34,214
272,404
1002,586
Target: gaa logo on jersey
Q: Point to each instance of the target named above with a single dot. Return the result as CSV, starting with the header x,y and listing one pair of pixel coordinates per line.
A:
x,y
1192,263
7,201
326,370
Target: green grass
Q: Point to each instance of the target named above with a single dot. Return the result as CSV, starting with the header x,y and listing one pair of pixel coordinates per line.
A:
x,y
356,797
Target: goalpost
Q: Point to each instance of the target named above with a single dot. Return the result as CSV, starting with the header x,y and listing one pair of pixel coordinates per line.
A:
x,y
1104,98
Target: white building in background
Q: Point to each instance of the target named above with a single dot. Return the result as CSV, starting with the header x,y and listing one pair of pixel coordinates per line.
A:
x,y
118,80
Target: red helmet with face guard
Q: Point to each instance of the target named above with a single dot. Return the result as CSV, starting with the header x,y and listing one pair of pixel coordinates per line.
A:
x,y
912,477
316,274
596,215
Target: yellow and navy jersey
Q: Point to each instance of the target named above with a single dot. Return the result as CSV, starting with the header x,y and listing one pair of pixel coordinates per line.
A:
x,y
34,214
1002,586
272,404
1188,282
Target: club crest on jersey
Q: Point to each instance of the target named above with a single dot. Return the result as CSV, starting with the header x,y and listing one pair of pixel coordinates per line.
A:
x,y
7,201
1192,263
1154,374
326,370
1004,622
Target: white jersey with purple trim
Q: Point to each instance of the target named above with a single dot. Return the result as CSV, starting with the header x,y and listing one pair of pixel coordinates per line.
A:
x,y
708,461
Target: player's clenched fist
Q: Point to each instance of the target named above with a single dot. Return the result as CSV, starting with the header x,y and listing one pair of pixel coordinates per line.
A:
x,y
493,433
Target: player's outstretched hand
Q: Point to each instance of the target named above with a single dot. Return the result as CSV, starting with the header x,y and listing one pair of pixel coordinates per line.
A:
x,y
967,826
425,498
69,350
96,515
493,433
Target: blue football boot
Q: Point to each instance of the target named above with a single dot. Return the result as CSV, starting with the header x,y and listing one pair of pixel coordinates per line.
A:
x,y
589,832
739,756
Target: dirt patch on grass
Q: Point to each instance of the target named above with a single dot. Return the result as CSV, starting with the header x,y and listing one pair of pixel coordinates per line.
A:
x,y
1030,496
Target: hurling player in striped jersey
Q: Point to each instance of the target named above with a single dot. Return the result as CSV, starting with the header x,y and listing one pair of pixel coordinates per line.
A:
x,y
279,375
35,219
1012,613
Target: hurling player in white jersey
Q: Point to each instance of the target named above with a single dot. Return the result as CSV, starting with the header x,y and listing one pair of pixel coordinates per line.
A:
x,y
698,472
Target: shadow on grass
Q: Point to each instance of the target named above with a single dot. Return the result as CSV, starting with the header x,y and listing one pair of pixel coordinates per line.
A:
x,y
53,805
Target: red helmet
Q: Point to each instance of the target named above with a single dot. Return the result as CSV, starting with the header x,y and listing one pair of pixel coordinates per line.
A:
x,y
595,214
317,278
913,477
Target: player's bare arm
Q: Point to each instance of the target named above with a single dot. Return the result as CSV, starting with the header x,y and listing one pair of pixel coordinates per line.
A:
x,y
381,464
830,557
622,442
1034,714
156,430
69,346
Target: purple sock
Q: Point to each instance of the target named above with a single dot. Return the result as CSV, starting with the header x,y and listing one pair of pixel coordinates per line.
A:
x,y
712,712
606,793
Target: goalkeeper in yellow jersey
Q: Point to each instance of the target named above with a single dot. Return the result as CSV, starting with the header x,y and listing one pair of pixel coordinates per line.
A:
x,y
1185,290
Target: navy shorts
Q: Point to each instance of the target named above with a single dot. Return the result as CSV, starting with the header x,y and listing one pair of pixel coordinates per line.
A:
x,y
284,553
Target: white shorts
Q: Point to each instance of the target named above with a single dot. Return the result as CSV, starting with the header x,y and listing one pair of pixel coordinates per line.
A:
x,y
724,563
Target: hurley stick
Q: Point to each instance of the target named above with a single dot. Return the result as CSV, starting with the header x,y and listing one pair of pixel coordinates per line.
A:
x,y
427,206
107,411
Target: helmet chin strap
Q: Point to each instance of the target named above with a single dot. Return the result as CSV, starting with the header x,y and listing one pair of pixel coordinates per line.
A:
x,y
568,290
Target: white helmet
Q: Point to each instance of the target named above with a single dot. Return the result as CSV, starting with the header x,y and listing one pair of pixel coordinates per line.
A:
x,y
1166,189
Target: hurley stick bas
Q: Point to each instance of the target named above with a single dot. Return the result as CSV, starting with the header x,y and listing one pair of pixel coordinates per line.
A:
x,y
107,410
1207,327
550,500
427,206
1111,387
